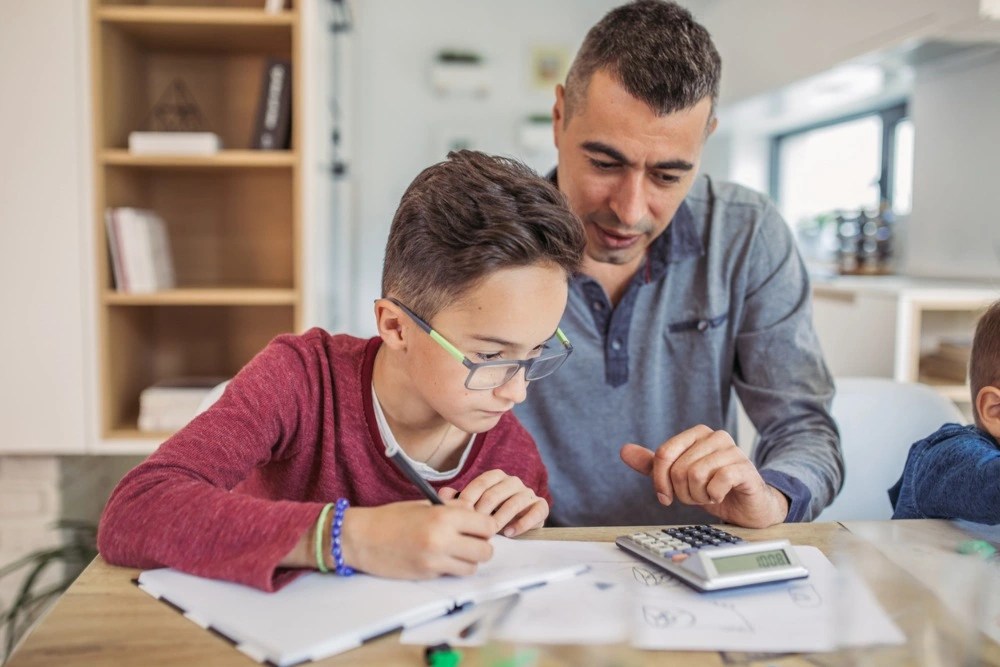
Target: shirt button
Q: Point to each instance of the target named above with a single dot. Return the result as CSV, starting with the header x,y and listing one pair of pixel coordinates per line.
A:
x,y
616,345
702,325
598,306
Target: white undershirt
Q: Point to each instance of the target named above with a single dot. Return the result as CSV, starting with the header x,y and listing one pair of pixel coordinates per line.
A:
x,y
392,446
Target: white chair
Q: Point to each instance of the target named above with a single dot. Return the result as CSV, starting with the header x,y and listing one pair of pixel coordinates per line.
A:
x,y
879,419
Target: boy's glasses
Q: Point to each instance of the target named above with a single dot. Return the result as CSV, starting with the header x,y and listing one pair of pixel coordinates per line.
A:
x,y
493,374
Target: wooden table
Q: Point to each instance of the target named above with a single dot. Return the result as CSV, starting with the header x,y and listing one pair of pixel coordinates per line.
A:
x,y
103,619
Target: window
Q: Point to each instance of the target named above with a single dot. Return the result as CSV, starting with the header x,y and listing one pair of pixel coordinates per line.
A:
x,y
849,163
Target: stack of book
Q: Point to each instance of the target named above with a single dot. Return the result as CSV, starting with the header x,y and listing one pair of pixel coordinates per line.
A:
x,y
141,261
169,405
950,361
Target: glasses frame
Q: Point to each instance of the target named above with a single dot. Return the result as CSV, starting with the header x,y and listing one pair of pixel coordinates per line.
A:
x,y
473,366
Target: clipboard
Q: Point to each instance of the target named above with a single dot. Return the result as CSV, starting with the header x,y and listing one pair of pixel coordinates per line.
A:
x,y
317,615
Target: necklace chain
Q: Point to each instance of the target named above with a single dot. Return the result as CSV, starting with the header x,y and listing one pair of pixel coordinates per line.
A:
x,y
444,435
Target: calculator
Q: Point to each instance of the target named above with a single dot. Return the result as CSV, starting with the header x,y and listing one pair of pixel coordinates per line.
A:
x,y
710,559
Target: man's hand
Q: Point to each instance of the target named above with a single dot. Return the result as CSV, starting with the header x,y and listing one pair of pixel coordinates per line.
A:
x,y
513,506
416,540
704,467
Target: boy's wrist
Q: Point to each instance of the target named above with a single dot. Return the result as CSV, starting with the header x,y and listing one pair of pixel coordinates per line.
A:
x,y
348,539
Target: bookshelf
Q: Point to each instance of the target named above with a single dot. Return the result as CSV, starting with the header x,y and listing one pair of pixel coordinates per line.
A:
x,y
233,217
881,326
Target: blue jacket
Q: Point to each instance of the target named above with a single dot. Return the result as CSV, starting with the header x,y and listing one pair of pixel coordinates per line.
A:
x,y
952,474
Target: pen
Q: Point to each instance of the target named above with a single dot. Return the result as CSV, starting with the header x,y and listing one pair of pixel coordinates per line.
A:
x,y
421,483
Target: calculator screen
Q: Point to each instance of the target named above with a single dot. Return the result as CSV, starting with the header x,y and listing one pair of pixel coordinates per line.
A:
x,y
761,560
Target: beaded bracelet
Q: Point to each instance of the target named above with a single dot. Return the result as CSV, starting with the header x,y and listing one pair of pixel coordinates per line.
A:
x,y
335,546
318,539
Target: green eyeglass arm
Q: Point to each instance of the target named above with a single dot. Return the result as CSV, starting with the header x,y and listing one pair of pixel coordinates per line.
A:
x,y
451,349
562,338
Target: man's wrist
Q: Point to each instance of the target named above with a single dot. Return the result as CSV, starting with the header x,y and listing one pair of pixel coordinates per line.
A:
x,y
781,504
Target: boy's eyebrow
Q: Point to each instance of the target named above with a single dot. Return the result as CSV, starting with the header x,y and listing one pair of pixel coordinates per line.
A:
x,y
617,156
504,342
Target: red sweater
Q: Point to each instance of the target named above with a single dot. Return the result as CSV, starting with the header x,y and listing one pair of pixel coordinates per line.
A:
x,y
228,496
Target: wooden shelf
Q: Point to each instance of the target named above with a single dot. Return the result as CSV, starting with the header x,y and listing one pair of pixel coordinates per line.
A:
x,y
225,159
960,393
216,16
202,29
219,296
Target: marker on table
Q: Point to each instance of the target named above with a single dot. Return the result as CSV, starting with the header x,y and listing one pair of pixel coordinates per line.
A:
x,y
404,467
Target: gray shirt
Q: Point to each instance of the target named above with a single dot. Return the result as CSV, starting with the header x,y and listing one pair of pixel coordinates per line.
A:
x,y
721,303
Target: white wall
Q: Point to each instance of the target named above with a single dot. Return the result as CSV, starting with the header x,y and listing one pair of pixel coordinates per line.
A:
x,y
43,211
402,126
954,229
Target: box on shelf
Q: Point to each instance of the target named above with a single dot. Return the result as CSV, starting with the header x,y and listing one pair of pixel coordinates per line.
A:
x,y
170,404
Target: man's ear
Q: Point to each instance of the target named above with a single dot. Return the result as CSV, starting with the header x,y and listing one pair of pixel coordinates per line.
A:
x,y
712,125
389,319
558,111
988,409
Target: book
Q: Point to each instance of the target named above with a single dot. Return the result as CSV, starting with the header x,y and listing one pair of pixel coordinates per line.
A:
x,y
174,143
274,6
943,368
317,615
272,128
170,404
139,245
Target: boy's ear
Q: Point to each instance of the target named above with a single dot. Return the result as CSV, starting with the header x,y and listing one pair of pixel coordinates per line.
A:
x,y
988,409
389,320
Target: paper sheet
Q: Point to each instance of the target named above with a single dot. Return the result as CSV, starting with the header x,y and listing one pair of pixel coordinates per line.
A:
x,y
623,599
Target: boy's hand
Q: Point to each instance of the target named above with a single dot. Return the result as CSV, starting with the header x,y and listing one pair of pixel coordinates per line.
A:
x,y
416,540
513,506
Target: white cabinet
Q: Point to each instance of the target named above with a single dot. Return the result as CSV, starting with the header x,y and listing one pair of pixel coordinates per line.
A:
x,y
880,326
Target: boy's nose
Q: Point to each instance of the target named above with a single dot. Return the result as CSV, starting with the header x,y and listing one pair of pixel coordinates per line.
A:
x,y
514,389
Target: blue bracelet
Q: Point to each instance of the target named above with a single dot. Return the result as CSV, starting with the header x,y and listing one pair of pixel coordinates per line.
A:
x,y
336,550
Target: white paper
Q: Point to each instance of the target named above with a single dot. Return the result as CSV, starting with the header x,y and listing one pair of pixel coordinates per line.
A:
x,y
591,608
624,599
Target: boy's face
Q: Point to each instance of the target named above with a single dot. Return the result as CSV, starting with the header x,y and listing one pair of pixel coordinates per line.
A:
x,y
509,315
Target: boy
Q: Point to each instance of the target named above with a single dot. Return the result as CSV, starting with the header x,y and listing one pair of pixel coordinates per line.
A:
x,y
480,249
955,473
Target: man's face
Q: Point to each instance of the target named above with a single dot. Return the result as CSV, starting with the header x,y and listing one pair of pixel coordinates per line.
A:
x,y
625,170
511,314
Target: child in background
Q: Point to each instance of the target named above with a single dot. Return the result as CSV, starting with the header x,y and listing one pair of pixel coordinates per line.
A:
x,y
955,473
288,470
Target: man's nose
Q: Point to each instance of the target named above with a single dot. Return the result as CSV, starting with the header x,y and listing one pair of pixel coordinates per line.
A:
x,y
629,201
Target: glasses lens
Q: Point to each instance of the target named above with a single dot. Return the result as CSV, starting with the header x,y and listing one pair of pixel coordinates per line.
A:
x,y
545,366
491,377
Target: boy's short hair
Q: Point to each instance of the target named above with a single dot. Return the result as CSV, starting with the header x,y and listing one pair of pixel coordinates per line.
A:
x,y
468,217
984,361
656,51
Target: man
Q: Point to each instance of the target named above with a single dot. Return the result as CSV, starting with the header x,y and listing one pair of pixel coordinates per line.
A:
x,y
690,289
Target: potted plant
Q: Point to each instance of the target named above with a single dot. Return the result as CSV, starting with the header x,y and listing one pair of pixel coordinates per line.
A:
x,y
35,593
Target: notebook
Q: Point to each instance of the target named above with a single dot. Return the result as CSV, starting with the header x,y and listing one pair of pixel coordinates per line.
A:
x,y
317,615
